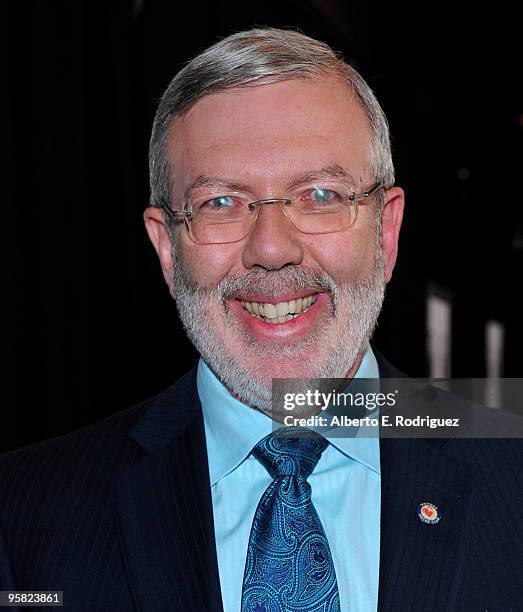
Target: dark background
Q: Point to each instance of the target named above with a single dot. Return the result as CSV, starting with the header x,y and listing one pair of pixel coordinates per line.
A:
x,y
89,327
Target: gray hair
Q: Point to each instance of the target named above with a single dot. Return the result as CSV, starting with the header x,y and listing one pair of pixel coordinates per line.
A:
x,y
251,58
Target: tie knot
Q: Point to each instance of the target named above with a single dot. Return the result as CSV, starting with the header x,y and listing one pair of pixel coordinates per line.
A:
x,y
291,454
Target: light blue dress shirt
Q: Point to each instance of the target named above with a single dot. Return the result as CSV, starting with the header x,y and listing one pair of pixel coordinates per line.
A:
x,y
346,491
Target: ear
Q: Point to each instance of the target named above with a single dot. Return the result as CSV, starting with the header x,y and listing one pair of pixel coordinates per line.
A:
x,y
391,217
158,234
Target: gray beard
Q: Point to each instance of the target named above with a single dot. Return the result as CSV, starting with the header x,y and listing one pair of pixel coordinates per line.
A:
x,y
357,304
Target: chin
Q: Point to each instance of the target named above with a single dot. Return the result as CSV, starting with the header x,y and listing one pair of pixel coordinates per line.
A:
x,y
306,365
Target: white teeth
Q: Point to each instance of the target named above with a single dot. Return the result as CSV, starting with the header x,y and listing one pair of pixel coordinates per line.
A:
x,y
270,311
281,312
282,309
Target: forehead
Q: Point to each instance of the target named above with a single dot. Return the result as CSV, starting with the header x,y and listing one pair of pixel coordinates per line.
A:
x,y
268,133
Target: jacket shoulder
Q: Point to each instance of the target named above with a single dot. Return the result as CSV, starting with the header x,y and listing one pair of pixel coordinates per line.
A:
x,y
386,369
65,464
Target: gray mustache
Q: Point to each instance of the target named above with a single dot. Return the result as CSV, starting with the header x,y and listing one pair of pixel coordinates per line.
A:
x,y
296,278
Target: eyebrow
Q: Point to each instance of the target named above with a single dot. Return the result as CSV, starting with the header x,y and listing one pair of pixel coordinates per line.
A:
x,y
205,181
326,173
211,182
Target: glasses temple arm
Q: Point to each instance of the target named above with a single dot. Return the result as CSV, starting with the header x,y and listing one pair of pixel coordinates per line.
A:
x,y
176,214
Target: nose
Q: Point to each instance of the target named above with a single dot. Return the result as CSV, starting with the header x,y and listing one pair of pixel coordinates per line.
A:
x,y
273,241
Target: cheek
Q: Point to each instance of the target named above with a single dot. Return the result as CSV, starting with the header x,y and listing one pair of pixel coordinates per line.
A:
x,y
345,256
208,264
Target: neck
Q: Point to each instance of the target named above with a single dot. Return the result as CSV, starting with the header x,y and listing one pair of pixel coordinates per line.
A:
x,y
356,365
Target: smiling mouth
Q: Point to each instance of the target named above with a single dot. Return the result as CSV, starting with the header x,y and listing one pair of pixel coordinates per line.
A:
x,y
280,312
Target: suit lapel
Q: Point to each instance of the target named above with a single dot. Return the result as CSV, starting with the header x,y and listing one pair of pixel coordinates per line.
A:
x,y
421,565
163,508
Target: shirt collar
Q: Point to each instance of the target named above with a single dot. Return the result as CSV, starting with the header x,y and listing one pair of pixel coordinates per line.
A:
x,y
364,450
232,429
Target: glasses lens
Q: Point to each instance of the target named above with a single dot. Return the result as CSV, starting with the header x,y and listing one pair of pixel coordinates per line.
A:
x,y
220,221
322,210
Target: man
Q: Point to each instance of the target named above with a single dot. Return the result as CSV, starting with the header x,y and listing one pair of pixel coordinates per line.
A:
x,y
276,221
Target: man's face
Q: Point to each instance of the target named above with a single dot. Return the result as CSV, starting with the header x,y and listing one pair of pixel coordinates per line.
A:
x,y
265,138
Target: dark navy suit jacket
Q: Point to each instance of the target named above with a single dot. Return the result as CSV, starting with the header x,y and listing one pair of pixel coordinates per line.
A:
x,y
118,516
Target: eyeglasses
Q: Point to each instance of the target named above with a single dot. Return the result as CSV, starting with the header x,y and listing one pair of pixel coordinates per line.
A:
x,y
320,209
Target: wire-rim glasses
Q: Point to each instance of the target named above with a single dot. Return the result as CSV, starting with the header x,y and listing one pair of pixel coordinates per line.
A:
x,y
321,209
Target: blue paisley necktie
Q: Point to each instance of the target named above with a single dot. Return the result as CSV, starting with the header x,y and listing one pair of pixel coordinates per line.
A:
x,y
289,564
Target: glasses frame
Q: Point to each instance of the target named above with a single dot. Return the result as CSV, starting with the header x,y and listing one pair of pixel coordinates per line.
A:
x,y
185,215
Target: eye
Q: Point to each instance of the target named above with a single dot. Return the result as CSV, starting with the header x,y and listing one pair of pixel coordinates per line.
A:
x,y
320,195
220,202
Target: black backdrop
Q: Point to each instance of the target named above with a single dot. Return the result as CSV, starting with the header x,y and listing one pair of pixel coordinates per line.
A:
x,y
89,327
